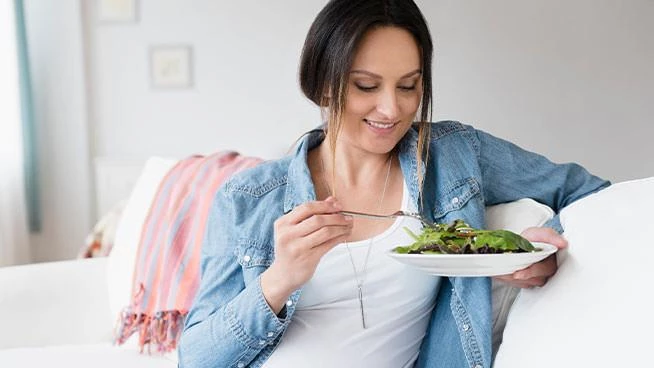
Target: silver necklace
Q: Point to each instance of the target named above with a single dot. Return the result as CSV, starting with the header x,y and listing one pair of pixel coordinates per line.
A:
x,y
360,281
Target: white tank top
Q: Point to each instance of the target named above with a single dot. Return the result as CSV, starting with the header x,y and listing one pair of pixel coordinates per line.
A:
x,y
326,329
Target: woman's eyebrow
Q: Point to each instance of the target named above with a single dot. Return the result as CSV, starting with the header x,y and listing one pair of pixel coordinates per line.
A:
x,y
371,74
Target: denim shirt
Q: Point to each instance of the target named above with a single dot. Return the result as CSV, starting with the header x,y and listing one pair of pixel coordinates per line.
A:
x,y
231,325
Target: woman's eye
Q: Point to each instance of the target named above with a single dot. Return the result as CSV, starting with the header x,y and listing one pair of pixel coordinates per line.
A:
x,y
407,88
365,88
371,88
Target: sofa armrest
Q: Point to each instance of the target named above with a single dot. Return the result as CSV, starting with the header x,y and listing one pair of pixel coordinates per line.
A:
x,y
54,303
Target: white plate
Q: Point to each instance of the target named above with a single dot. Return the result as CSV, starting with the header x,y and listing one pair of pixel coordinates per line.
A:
x,y
474,264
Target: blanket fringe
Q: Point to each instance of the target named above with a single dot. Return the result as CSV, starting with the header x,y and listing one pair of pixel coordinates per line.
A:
x,y
161,331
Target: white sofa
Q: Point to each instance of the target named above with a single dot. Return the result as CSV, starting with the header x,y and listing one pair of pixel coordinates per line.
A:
x,y
595,311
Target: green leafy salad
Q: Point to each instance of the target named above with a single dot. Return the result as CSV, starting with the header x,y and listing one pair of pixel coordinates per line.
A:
x,y
459,238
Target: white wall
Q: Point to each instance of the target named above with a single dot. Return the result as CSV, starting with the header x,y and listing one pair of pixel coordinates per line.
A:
x,y
570,79
245,94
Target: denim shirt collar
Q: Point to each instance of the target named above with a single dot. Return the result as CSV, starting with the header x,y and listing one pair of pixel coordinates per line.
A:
x,y
300,188
407,149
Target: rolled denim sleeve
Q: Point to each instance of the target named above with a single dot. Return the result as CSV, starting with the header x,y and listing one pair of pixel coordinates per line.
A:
x,y
230,321
510,173
251,319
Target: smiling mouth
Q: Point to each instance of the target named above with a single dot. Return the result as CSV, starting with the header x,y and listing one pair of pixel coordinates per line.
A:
x,y
380,124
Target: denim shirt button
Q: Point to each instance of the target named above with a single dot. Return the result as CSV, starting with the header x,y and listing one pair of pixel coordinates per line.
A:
x,y
246,258
262,342
289,303
271,334
478,366
465,327
241,365
455,200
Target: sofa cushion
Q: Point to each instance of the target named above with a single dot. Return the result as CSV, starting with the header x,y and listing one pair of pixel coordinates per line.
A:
x,y
82,356
54,303
517,216
596,311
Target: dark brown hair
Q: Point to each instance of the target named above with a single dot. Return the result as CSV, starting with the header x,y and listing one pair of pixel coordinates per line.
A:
x,y
329,51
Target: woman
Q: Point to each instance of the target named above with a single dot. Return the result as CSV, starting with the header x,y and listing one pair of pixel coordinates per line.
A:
x,y
289,281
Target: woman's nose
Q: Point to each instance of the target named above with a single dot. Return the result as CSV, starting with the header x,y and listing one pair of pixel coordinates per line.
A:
x,y
387,105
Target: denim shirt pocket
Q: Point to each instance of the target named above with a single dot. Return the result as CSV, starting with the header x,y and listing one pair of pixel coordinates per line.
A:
x,y
455,196
254,257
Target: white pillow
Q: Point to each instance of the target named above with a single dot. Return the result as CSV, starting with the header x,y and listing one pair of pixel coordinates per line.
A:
x,y
597,310
517,216
120,265
514,216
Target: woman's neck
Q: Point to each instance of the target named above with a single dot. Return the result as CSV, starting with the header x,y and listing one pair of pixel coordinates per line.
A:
x,y
354,168
363,182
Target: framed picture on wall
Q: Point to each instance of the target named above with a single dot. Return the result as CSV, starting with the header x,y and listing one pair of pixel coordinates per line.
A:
x,y
117,11
171,66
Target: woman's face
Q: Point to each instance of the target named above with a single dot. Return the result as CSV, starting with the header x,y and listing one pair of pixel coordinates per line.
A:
x,y
384,90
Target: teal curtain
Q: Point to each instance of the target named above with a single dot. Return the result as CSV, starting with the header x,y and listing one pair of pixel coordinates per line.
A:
x,y
27,114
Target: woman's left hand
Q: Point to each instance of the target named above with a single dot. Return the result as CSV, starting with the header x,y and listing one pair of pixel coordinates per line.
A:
x,y
538,273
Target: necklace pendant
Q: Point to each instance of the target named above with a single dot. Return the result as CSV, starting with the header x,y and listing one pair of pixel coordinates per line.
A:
x,y
363,317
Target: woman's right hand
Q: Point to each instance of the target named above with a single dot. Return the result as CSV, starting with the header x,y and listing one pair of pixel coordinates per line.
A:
x,y
302,237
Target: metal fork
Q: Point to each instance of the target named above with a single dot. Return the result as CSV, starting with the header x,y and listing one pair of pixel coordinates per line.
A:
x,y
395,214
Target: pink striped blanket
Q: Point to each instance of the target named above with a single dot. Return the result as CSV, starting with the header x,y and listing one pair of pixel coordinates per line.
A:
x,y
167,268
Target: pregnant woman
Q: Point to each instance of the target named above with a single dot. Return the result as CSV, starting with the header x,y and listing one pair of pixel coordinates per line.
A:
x,y
289,281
